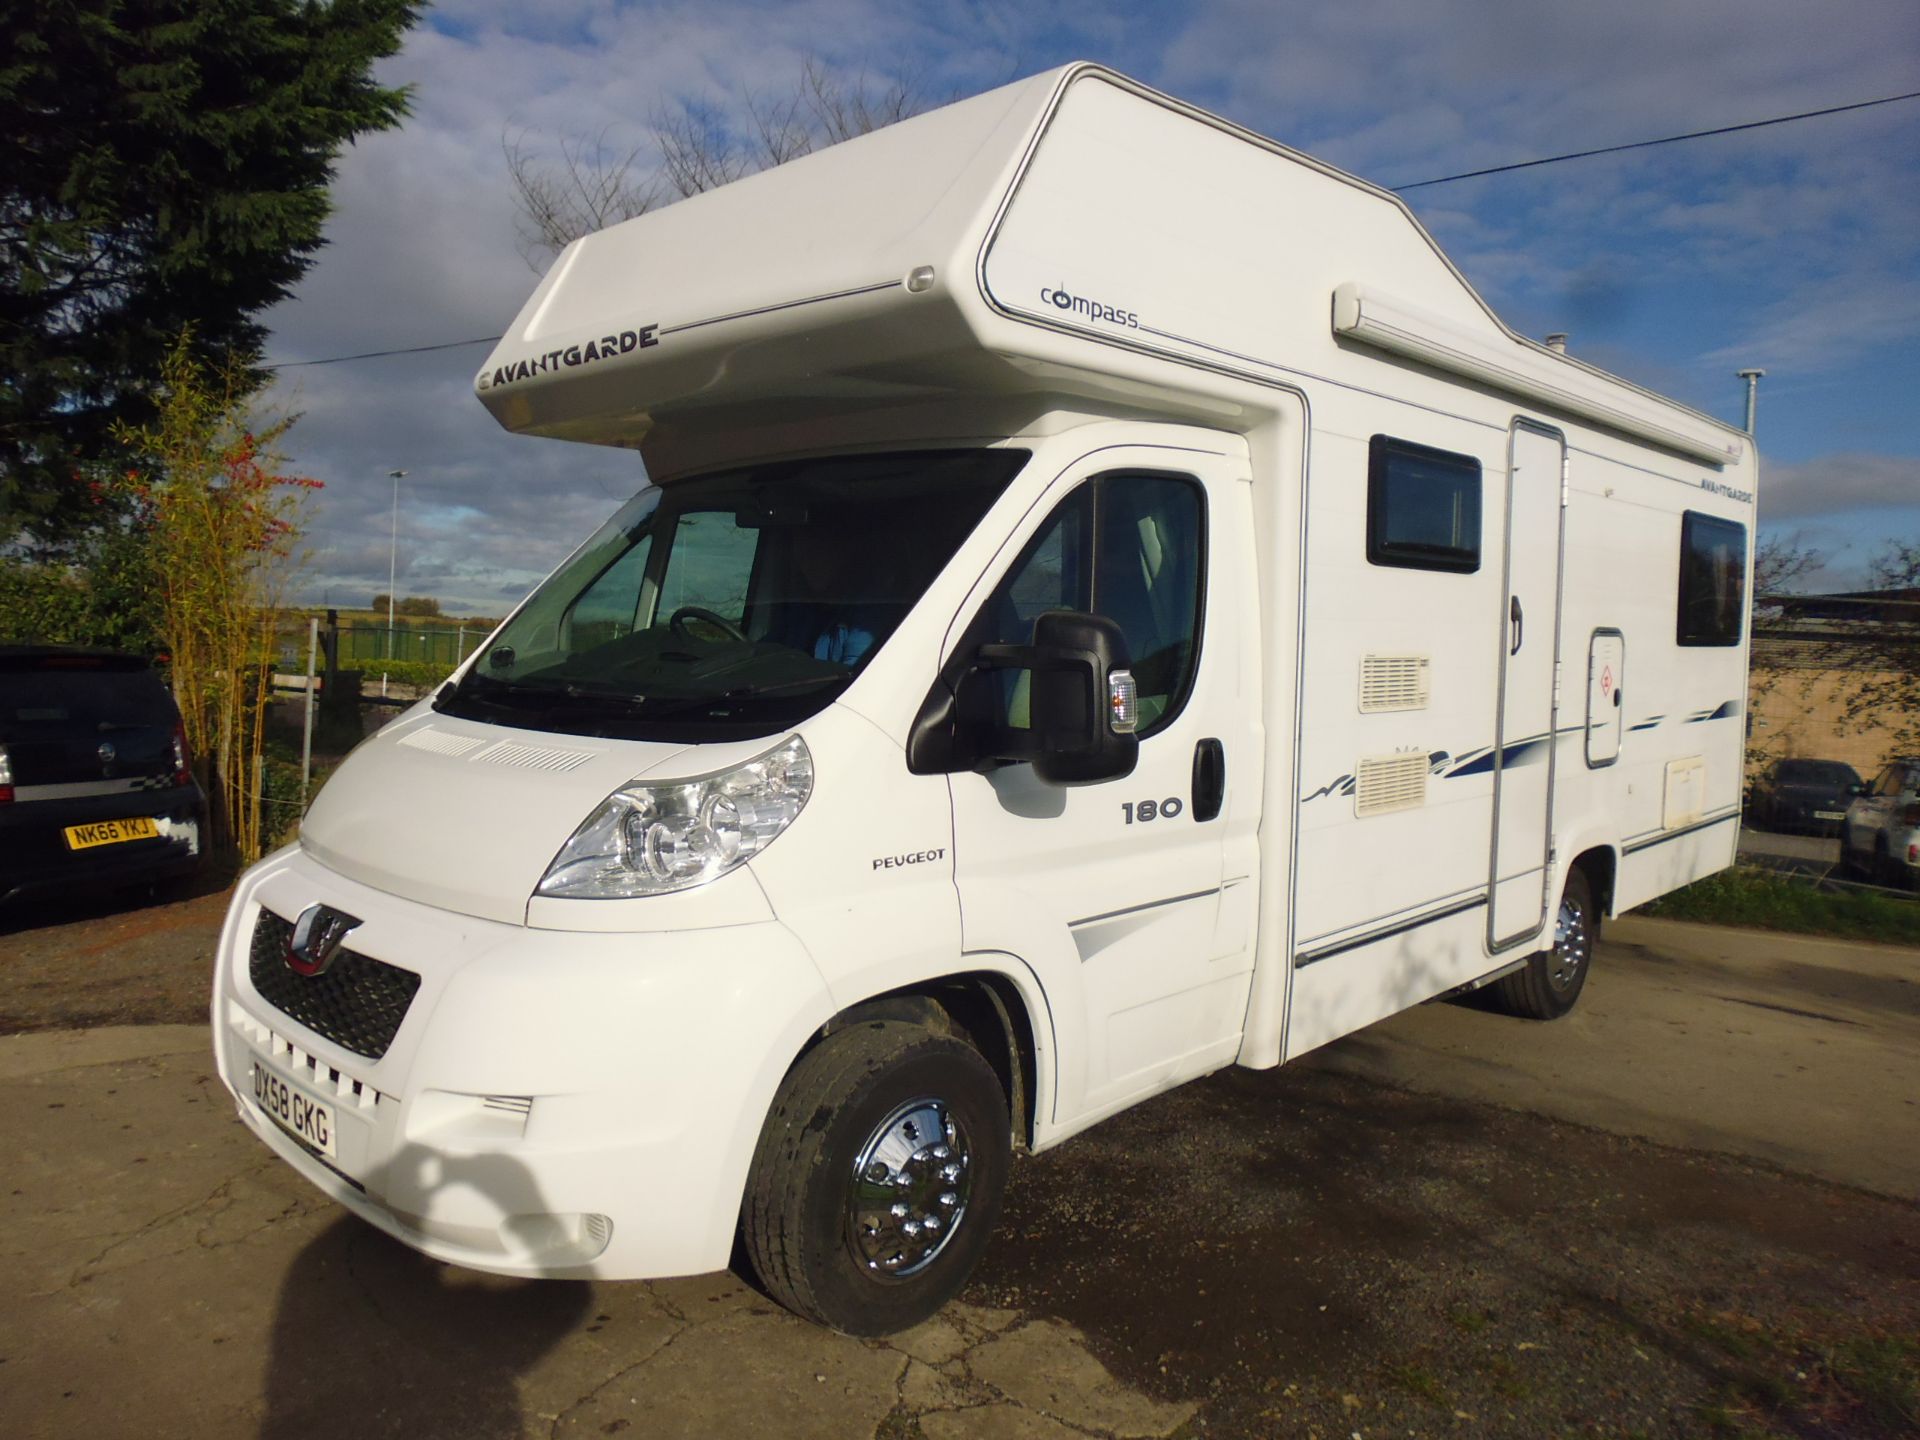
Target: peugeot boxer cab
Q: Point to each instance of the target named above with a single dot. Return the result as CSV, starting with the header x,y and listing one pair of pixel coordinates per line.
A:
x,y
1027,682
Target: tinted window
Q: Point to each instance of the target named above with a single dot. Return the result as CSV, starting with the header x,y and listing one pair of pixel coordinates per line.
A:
x,y
1128,547
1713,580
1423,507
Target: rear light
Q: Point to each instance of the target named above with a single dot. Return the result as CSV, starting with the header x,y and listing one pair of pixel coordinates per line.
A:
x,y
181,773
6,775
1911,815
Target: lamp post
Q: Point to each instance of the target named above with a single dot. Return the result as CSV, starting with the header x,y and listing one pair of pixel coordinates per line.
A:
x,y
393,561
393,552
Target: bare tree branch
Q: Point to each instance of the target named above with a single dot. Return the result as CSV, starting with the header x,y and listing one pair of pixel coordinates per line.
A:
x,y
593,185
590,187
696,153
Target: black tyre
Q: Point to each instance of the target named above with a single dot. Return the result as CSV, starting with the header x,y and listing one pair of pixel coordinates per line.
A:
x,y
878,1177
1887,872
1549,984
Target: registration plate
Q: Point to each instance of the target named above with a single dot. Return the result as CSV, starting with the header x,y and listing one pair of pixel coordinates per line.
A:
x,y
295,1111
111,832
1829,814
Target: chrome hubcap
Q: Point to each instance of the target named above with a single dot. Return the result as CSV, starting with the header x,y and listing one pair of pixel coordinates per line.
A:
x,y
1572,943
909,1191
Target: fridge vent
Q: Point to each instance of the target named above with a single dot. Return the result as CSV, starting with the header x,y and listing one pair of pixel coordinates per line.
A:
x,y
1393,682
1390,782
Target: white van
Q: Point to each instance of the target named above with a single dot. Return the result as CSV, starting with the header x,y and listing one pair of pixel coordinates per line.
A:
x,y
1110,602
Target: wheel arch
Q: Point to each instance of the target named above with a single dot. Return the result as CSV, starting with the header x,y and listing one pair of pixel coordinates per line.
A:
x,y
1600,864
989,1008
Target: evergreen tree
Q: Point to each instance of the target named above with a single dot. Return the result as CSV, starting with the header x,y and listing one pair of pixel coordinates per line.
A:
x,y
167,170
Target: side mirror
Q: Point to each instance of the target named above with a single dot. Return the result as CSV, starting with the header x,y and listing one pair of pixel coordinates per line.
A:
x,y
1084,700
1064,703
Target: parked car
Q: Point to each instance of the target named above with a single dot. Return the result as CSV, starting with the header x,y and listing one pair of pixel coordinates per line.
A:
x,y
95,786
1804,795
1881,834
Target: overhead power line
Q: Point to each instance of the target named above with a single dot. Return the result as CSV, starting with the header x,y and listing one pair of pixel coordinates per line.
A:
x,y
1397,189
380,354
1663,140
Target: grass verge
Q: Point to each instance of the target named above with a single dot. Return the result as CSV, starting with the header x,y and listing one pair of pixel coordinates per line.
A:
x,y
1772,902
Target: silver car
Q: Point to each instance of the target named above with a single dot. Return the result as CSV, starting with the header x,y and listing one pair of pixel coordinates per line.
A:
x,y
1881,834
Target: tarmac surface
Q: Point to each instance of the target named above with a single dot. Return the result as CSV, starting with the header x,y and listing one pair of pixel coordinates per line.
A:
x,y
1687,1208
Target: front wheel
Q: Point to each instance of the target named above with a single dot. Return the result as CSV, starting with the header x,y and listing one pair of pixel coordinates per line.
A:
x,y
878,1177
1549,984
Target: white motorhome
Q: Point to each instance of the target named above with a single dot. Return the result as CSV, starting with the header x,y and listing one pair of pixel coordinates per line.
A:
x,y
1110,602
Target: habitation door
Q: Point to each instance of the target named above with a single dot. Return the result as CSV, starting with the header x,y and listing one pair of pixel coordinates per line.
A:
x,y
1524,749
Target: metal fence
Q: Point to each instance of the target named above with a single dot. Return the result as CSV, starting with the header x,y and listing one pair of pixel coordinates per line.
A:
x,y
363,647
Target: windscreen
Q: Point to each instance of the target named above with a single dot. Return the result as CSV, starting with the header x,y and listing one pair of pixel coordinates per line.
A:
x,y
1817,772
733,604
67,718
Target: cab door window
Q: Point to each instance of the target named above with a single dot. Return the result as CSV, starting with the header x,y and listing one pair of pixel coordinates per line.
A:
x,y
1129,546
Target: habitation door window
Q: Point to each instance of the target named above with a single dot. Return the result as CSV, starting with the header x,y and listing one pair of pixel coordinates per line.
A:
x,y
1423,507
1713,580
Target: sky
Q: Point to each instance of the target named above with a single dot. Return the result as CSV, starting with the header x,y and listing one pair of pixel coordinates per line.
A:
x,y
1795,248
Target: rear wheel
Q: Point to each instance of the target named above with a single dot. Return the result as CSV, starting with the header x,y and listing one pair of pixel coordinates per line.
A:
x,y
878,1177
1549,984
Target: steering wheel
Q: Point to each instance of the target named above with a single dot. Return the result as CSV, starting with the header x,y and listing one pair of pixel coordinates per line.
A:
x,y
677,623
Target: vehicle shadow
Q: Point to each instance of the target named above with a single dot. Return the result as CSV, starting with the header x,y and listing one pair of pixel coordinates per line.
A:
x,y
372,1339
48,909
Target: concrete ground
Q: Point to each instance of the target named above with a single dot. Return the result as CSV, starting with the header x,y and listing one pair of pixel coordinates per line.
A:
x,y
1452,1223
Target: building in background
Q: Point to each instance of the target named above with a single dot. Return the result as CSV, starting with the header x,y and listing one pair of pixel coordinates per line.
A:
x,y
1835,677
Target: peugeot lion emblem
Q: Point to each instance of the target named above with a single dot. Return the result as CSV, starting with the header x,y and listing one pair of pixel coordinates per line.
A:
x,y
316,938
106,752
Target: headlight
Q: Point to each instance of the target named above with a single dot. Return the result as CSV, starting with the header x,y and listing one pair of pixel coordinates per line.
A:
x,y
655,839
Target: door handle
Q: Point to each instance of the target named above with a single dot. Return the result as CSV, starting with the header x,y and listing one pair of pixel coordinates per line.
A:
x,y
1517,621
1209,779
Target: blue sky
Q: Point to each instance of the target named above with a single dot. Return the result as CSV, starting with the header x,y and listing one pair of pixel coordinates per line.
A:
x,y
1795,248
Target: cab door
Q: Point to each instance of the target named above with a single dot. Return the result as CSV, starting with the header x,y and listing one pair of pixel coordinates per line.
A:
x,y
1132,899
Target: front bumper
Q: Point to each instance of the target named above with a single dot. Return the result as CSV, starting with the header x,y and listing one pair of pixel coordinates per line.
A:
x,y
552,1103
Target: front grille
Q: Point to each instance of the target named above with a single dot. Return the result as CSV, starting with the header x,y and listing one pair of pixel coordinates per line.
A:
x,y
357,1002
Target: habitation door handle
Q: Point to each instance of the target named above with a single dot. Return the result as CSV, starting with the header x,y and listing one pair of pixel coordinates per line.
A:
x,y
1518,621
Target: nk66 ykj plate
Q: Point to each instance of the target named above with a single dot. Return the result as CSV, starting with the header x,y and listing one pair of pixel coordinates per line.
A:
x,y
306,1118
111,832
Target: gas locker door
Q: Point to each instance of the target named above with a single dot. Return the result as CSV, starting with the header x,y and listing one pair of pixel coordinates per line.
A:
x,y
1131,899
1524,747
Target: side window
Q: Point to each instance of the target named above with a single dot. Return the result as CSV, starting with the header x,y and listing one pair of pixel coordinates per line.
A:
x,y
1713,580
1423,507
1127,546
708,565
1889,782
606,609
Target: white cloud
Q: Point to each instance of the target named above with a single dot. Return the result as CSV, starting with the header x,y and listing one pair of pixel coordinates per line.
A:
x,y
1792,247
1839,483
